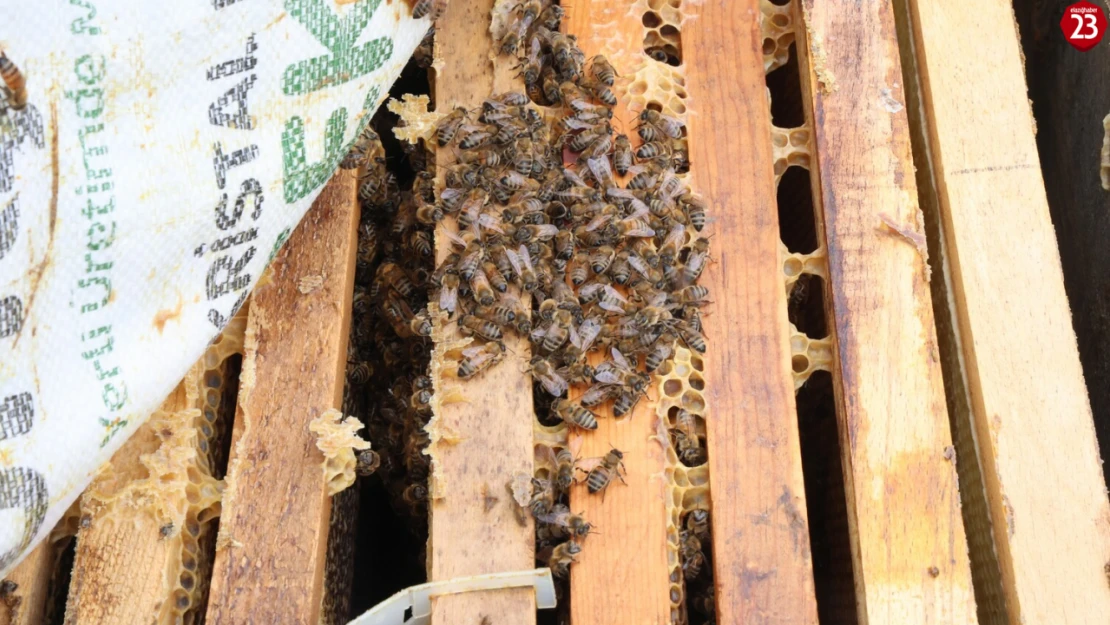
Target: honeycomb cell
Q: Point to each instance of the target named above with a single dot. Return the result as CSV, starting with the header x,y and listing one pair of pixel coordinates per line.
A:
x,y
693,402
672,388
652,20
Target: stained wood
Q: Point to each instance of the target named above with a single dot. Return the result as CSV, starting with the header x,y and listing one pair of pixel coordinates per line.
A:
x,y
622,574
26,605
467,536
273,529
1029,406
1069,139
121,560
762,569
908,543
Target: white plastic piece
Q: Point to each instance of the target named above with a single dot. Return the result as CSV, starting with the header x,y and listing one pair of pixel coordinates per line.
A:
x,y
419,598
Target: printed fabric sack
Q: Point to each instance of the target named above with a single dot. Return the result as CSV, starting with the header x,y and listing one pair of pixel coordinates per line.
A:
x,y
158,158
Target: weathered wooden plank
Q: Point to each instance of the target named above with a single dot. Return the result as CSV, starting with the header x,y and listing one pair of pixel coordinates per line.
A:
x,y
467,534
26,603
273,532
1029,407
761,555
908,542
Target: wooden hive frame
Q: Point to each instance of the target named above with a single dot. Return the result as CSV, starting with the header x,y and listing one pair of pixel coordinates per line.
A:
x,y
955,478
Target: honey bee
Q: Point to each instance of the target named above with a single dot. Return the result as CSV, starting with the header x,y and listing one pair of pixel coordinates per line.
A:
x,y
691,554
397,279
550,17
688,448
564,466
609,466
543,497
433,9
693,294
558,331
449,292
670,126
694,207
477,137
662,349
420,242
478,359
652,149
421,324
697,523
672,244
603,93
562,556
695,260
693,338
561,516
521,262
366,462
546,374
603,71
358,373
14,80
356,156
622,154
416,495
447,128
574,414
481,327
535,232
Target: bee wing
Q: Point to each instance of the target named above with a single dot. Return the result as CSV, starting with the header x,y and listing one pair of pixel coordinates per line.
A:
x,y
574,338
546,231
573,177
638,228
514,260
490,222
639,265
599,167
588,332
674,126
448,299
658,300
607,374
473,351
539,333
560,517
525,258
619,193
619,358
545,457
451,195
554,383
454,238
670,179
598,222
675,236
576,124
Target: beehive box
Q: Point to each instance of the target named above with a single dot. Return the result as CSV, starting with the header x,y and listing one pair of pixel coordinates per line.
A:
x,y
891,399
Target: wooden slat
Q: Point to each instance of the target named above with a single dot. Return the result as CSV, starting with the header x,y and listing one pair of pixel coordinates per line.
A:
x,y
467,536
762,568
121,559
1029,406
1070,138
273,530
26,605
908,543
622,575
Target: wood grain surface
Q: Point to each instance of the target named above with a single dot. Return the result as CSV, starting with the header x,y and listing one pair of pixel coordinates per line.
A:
x,y
761,551
907,535
1029,406
269,564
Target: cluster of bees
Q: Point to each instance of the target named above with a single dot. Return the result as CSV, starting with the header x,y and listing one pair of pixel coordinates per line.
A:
x,y
601,277
568,257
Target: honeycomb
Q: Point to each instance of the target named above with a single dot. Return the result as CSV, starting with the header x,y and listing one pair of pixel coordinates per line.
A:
x,y
679,385
778,34
165,481
1105,170
662,35
337,437
808,355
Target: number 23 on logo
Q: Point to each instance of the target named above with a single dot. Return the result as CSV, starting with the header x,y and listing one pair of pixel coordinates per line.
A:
x,y
1083,25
